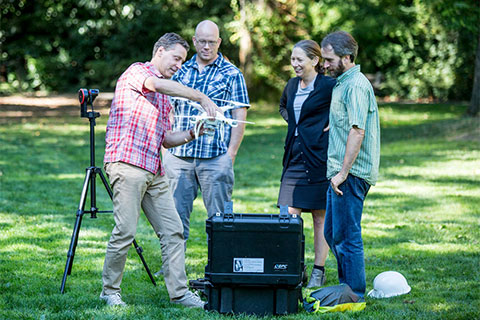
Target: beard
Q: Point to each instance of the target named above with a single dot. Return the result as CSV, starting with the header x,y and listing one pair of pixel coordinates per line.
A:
x,y
339,70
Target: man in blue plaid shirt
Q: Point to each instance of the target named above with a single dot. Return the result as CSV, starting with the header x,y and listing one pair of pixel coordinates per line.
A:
x,y
206,162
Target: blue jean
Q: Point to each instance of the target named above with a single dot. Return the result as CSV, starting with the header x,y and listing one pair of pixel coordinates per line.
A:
x,y
343,231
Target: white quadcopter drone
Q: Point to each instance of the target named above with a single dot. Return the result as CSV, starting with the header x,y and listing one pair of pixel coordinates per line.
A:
x,y
210,123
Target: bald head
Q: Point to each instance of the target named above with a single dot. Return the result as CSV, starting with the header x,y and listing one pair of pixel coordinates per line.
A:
x,y
207,41
207,26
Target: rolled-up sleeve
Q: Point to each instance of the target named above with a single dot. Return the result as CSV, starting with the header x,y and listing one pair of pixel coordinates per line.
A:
x,y
358,102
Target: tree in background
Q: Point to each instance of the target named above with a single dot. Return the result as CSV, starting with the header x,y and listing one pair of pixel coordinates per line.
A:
x,y
412,49
417,56
265,31
408,47
62,45
463,17
474,107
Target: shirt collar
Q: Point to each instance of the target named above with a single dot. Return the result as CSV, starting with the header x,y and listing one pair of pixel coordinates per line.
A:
x,y
152,68
348,73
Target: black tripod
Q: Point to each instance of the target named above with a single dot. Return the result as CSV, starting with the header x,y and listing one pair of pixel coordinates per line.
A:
x,y
87,97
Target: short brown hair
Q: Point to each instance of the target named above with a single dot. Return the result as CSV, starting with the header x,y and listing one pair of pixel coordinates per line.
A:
x,y
342,43
168,40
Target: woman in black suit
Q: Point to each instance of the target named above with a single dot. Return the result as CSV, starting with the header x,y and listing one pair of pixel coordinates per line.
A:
x,y
305,105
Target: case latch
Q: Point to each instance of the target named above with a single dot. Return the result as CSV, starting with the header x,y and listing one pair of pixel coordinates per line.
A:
x,y
284,217
228,213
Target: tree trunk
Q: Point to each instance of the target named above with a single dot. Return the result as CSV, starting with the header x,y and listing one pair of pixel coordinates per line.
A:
x,y
245,50
474,107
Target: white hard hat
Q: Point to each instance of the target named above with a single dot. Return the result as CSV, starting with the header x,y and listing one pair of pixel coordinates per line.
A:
x,y
389,284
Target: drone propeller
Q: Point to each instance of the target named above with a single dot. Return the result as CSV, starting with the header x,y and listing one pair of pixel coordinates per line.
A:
x,y
219,118
235,103
213,122
196,105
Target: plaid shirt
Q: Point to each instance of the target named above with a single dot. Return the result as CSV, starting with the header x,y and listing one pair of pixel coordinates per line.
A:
x,y
218,80
138,120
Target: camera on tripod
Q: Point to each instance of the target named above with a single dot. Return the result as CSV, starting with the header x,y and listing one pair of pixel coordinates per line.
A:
x,y
86,97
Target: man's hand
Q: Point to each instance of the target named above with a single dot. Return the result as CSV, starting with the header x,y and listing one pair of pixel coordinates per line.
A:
x,y
209,106
336,181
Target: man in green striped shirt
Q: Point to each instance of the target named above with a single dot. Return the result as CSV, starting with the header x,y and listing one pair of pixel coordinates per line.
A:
x,y
353,157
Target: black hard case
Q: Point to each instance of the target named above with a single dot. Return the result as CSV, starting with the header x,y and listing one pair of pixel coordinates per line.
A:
x,y
269,247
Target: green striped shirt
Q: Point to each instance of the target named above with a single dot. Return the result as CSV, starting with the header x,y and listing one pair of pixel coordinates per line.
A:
x,y
353,104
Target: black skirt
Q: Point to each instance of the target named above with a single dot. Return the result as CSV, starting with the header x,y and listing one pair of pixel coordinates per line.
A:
x,y
296,190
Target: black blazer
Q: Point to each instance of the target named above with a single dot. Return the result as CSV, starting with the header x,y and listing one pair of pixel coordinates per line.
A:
x,y
313,119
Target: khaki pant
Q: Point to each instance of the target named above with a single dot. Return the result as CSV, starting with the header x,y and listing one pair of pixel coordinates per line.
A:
x,y
135,188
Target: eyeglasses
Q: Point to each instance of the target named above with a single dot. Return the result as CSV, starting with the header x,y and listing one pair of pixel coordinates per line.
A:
x,y
203,43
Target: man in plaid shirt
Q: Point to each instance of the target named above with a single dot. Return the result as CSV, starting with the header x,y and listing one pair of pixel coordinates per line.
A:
x,y
137,128
206,163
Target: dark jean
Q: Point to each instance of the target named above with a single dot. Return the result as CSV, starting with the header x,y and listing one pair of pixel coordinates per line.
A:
x,y
343,231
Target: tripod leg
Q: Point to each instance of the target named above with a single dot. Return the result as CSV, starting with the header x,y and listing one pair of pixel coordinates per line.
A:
x,y
76,230
139,251
137,247
105,182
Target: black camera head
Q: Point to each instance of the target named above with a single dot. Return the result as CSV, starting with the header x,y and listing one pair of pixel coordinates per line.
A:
x,y
86,97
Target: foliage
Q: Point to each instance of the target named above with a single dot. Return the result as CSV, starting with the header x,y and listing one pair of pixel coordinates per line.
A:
x,y
274,27
416,54
64,45
411,48
421,219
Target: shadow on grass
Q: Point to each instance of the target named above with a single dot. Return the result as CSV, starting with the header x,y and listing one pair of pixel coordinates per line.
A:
x,y
443,284
398,202
42,175
22,113
416,178
437,129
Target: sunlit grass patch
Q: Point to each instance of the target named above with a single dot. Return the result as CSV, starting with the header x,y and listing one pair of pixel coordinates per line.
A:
x,y
421,219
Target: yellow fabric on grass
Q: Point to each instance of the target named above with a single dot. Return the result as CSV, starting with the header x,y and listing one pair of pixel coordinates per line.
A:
x,y
339,307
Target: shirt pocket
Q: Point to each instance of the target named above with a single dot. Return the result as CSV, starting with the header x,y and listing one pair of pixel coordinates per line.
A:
x,y
219,90
338,113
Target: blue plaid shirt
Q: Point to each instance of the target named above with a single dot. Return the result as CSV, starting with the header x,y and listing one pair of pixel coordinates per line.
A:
x,y
219,80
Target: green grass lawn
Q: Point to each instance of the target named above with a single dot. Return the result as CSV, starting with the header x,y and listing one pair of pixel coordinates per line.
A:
x,y
422,219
